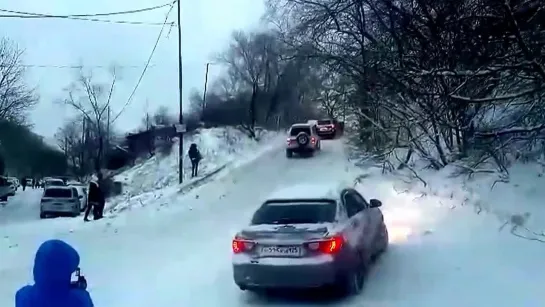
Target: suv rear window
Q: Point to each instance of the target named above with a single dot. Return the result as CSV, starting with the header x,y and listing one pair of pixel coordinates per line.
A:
x,y
58,193
295,213
296,130
325,122
55,182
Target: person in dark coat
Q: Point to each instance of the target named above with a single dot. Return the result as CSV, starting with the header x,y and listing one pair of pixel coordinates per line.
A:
x,y
95,200
54,264
23,183
195,157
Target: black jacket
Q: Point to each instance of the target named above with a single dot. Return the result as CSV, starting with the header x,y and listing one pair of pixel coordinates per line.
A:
x,y
96,195
194,154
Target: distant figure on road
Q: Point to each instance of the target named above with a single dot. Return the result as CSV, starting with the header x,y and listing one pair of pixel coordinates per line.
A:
x,y
195,157
95,199
23,183
54,264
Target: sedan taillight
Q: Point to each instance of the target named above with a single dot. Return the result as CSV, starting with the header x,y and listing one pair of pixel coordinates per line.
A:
x,y
327,246
240,245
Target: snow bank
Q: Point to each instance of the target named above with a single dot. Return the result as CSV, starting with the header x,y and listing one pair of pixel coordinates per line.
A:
x,y
511,199
448,235
157,177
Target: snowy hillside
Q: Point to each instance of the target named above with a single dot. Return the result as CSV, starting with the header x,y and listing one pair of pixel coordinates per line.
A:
x,y
221,148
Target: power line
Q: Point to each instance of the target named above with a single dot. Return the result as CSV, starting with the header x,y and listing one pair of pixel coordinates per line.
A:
x,y
93,19
85,17
72,66
134,11
147,63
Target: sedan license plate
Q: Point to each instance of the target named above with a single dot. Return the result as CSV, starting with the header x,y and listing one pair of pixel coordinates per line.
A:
x,y
280,251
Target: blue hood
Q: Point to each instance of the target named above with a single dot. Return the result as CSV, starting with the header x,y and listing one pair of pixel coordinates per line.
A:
x,y
54,264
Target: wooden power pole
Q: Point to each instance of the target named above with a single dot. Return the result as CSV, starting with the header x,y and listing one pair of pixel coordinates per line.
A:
x,y
180,129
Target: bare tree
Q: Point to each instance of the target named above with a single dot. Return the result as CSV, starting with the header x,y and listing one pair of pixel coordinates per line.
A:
x,y
16,98
248,59
442,79
70,138
92,100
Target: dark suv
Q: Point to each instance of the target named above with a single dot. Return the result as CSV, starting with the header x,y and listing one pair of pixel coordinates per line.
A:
x,y
327,128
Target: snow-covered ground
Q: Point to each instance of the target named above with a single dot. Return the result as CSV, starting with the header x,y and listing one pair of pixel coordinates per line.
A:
x,y
446,245
442,253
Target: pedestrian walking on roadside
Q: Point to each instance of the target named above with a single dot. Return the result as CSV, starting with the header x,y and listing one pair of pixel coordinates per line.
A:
x,y
195,157
95,199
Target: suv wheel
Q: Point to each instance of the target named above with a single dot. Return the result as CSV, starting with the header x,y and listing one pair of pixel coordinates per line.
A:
x,y
303,139
43,215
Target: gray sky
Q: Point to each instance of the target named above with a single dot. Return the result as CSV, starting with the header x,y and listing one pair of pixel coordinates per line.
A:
x,y
206,24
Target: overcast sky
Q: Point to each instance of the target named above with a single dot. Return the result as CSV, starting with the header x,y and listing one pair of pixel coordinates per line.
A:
x,y
207,25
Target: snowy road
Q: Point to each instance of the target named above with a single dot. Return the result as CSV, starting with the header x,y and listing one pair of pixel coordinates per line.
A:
x,y
24,206
179,255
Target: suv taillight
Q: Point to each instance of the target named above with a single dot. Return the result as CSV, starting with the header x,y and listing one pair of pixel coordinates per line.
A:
x,y
313,140
241,245
327,246
289,141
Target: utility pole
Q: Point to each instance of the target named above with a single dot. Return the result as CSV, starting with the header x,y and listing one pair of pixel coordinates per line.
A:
x,y
204,93
181,119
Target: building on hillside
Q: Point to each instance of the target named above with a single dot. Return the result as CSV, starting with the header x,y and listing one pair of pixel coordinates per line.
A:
x,y
145,142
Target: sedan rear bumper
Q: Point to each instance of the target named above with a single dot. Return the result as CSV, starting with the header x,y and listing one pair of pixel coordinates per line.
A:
x,y
284,276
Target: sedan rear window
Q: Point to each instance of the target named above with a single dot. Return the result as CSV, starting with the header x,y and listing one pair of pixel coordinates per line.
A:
x,y
295,213
296,130
58,193
325,122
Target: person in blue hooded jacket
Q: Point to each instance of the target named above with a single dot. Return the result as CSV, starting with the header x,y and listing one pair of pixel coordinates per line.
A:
x,y
54,264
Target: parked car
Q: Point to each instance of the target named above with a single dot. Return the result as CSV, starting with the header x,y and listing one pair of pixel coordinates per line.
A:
x,y
302,139
82,191
310,236
54,182
60,200
14,184
5,189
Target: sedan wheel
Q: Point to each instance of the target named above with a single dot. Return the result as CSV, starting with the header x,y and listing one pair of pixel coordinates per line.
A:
x,y
355,282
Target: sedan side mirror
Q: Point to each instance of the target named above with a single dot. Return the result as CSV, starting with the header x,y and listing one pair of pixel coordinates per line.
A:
x,y
375,203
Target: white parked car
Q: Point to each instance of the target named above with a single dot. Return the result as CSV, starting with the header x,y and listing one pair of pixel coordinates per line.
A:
x,y
82,191
60,200
54,182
